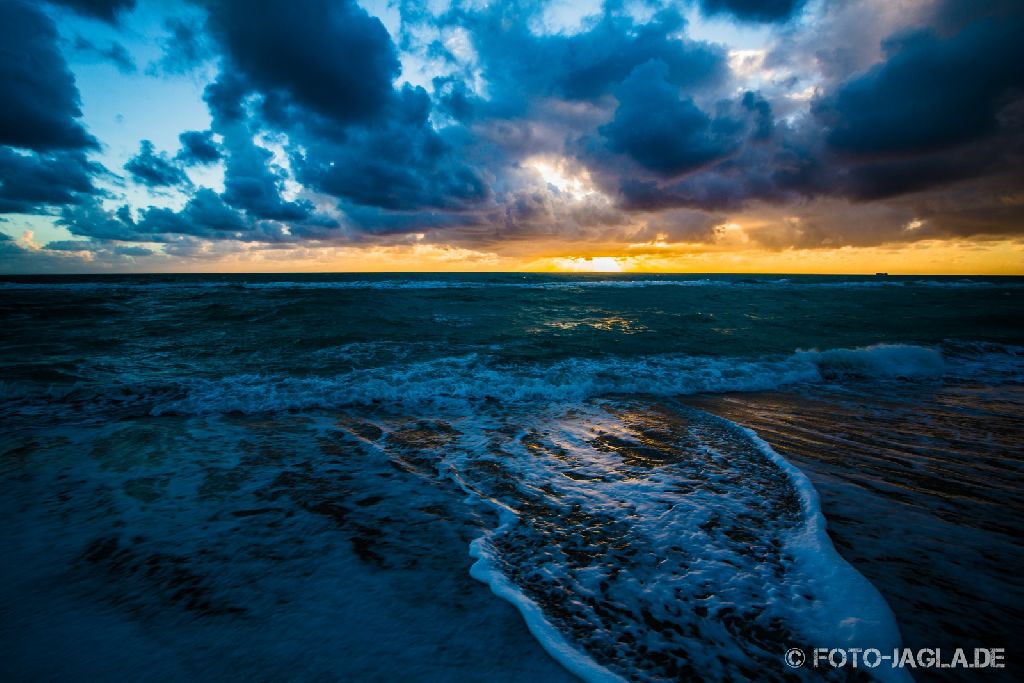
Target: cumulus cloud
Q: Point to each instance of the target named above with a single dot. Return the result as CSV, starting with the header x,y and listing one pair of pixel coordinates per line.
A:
x,y
485,126
40,101
331,56
401,163
929,94
30,182
662,132
198,148
519,64
155,169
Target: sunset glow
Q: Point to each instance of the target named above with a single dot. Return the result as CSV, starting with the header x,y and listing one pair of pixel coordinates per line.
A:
x,y
517,341
556,137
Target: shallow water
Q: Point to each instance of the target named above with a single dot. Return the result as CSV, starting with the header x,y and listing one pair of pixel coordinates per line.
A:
x,y
324,477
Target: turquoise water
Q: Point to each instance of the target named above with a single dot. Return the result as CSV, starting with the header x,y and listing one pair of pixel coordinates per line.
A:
x,y
504,477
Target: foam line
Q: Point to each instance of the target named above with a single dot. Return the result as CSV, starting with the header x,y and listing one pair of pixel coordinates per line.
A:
x,y
840,582
486,571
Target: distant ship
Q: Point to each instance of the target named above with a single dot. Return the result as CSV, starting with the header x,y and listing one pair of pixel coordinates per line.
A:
x,y
882,274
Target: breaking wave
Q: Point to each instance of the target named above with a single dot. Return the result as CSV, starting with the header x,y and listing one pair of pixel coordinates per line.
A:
x,y
477,377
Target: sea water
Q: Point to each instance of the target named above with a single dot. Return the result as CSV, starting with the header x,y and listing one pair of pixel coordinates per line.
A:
x,y
505,477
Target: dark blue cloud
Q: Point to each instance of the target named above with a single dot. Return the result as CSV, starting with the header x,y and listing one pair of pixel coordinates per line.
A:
x,y
930,94
455,99
254,184
894,177
89,219
226,97
762,110
520,65
661,131
40,103
330,56
657,120
198,148
107,10
204,214
400,163
30,182
133,251
69,245
155,169
754,10
367,222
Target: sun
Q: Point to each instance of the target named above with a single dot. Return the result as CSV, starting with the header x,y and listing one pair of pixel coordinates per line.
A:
x,y
591,264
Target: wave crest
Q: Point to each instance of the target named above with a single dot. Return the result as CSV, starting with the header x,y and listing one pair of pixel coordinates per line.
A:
x,y
476,377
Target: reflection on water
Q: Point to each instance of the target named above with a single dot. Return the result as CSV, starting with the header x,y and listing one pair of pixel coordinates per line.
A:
x,y
607,324
922,489
243,477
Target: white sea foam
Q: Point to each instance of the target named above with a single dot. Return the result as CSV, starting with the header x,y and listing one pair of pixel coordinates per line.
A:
x,y
674,556
852,613
485,569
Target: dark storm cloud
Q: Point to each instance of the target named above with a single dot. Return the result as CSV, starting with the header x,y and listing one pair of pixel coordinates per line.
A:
x,y
89,219
949,16
368,222
252,181
254,184
930,94
155,169
29,182
762,110
662,132
360,139
198,148
519,64
329,56
209,216
400,163
323,142
40,101
205,213
226,96
754,10
107,10
934,112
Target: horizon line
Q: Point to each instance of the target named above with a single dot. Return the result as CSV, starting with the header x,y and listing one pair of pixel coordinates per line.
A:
x,y
503,272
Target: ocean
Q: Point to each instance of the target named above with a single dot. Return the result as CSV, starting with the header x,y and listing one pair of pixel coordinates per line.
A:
x,y
509,477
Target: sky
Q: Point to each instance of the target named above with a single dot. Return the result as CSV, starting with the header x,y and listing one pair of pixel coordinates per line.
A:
x,y
829,136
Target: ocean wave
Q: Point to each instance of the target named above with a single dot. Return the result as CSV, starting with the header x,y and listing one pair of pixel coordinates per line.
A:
x,y
478,377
